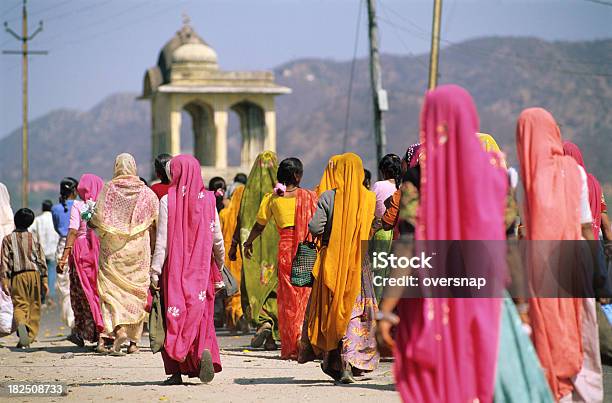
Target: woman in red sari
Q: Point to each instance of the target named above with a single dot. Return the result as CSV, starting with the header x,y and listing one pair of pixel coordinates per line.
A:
x,y
291,208
189,246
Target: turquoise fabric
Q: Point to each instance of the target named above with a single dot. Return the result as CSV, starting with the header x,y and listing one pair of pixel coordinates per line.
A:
x,y
519,375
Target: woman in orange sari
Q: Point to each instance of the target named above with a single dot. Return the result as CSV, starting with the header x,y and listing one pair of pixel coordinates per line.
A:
x,y
342,304
291,208
556,207
229,220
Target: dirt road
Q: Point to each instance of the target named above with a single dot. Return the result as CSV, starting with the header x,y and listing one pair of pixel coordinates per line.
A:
x,y
248,374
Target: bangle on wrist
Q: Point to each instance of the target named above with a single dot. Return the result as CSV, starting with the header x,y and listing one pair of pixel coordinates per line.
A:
x,y
387,316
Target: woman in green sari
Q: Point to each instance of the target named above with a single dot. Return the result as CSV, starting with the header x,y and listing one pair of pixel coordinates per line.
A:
x,y
259,273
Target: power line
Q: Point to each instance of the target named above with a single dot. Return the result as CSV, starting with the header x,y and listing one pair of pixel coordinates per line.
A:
x,y
495,56
105,31
602,2
401,40
352,75
423,33
100,21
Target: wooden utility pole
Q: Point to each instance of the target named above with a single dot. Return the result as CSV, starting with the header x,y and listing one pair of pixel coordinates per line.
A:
x,y
379,95
435,45
24,52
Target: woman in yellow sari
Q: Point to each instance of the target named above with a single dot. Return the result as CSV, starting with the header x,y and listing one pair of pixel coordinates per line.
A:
x,y
124,214
342,304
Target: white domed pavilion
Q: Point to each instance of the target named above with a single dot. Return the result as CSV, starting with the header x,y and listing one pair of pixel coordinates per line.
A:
x,y
187,77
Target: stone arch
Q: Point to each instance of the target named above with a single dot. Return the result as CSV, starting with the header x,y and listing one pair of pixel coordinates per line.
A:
x,y
253,129
204,133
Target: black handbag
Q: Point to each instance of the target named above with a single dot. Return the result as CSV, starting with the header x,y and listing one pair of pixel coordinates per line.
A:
x,y
303,263
231,285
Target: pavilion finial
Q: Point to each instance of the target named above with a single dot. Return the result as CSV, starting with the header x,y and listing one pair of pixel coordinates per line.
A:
x,y
186,19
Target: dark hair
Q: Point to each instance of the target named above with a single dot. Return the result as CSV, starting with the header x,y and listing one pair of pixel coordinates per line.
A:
x,y
215,184
290,171
160,167
68,187
412,174
367,178
24,217
390,166
46,205
240,178
143,180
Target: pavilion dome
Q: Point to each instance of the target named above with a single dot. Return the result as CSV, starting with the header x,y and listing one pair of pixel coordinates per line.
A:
x,y
198,51
195,53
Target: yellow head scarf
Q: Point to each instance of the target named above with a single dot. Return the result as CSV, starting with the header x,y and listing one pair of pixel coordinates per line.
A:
x,y
338,270
490,145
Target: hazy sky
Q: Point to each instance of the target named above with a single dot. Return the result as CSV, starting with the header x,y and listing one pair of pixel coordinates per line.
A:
x,y
98,47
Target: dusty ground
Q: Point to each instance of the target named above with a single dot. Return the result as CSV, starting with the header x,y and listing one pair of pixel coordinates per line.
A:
x,y
248,374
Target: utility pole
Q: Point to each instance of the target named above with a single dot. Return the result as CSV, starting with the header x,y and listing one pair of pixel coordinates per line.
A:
x,y
435,45
379,96
24,52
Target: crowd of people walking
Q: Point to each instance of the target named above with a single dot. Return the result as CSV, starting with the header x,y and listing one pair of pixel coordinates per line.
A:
x,y
123,247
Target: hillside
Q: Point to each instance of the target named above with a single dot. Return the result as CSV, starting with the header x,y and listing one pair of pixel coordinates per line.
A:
x,y
571,79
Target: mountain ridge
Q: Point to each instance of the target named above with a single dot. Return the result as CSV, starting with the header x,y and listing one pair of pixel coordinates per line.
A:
x,y
573,80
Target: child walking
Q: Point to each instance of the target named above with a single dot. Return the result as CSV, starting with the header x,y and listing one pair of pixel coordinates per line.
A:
x,y
23,271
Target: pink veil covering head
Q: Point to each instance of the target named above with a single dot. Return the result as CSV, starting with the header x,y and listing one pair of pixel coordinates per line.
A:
x,y
595,191
463,190
187,286
89,187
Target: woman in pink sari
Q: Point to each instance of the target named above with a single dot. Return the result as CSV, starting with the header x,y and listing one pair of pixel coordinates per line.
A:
x,y
446,349
189,251
82,249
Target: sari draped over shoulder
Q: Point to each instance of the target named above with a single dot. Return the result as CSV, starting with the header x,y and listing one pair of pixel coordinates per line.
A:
x,y
292,301
188,273
125,210
338,269
259,279
442,340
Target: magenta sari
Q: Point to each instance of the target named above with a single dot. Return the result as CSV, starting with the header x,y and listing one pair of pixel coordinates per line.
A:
x,y
446,349
188,275
84,261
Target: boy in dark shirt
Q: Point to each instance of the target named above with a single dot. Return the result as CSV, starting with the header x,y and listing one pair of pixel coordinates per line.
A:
x,y
23,271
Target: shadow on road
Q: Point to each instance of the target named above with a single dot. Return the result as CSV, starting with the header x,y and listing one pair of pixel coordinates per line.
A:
x,y
307,382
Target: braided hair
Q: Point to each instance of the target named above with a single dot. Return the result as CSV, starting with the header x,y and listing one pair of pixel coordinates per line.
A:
x,y
390,166
68,187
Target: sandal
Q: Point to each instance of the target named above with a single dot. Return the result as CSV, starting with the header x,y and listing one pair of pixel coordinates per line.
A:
x,y
133,349
261,335
270,344
175,379
116,353
334,374
100,349
346,378
24,339
76,339
207,370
